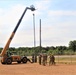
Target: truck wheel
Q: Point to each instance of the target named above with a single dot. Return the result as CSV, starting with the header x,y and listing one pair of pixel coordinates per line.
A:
x,y
3,63
24,60
18,62
9,61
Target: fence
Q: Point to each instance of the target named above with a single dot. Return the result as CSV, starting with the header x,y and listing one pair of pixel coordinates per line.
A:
x,y
66,59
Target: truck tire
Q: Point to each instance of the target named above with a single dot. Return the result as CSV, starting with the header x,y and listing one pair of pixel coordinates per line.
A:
x,y
9,61
3,63
18,62
24,60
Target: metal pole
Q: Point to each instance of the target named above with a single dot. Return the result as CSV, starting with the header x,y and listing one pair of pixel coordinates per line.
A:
x,y
40,35
34,29
35,56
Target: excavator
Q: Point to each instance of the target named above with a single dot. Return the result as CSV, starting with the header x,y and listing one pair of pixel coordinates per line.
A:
x,y
6,57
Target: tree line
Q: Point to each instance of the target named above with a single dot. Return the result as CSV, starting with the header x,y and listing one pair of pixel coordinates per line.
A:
x,y
58,50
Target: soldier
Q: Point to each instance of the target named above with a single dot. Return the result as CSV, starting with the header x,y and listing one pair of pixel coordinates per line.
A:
x,y
52,60
40,56
33,58
44,59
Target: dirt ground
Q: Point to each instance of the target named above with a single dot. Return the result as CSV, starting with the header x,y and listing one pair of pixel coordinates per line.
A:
x,y
36,69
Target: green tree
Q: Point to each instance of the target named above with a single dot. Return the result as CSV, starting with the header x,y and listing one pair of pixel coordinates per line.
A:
x,y
1,49
72,45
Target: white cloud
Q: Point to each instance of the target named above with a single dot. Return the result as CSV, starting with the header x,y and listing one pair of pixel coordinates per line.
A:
x,y
11,16
42,6
62,13
1,11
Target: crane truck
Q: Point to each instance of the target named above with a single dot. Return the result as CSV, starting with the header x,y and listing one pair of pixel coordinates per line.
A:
x,y
5,58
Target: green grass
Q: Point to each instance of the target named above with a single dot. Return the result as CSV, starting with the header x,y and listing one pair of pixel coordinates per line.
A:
x,y
66,59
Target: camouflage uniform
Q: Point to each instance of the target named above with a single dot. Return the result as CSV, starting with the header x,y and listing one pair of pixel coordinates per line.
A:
x,y
40,56
52,60
44,59
33,58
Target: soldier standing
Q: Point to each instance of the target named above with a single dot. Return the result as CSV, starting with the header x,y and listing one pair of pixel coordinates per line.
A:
x,y
44,59
52,60
40,56
33,58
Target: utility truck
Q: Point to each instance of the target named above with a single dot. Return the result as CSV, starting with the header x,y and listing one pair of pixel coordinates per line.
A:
x,y
6,57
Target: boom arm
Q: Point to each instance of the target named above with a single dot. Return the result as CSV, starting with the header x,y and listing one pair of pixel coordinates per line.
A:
x,y
14,31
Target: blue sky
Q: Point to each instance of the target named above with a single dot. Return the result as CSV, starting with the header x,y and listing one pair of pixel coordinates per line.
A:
x,y
58,22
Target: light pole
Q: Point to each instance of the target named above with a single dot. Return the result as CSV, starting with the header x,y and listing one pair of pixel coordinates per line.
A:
x,y
34,31
40,35
35,56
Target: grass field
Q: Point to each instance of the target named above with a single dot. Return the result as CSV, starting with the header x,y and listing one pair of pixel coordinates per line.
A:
x,y
65,59
71,59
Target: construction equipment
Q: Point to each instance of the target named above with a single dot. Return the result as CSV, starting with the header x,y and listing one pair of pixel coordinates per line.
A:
x,y
6,58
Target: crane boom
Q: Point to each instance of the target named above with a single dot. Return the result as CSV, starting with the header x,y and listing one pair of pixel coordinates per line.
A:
x,y
14,31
